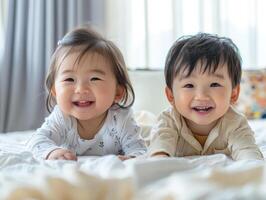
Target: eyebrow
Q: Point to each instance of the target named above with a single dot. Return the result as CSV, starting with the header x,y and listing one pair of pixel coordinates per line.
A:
x,y
220,76
66,71
99,71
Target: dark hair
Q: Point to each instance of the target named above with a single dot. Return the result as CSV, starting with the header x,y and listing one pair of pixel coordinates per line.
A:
x,y
87,40
212,50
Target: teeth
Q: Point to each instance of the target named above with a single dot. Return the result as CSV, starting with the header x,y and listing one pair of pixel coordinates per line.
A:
x,y
83,101
202,108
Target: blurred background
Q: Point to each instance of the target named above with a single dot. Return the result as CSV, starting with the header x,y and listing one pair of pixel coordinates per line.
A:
x,y
144,30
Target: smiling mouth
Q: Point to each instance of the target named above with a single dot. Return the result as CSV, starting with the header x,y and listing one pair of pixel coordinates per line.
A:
x,y
203,109
83,103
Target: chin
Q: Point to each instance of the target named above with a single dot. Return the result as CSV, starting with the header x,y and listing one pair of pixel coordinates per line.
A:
x,y
209,122
82,117
204,122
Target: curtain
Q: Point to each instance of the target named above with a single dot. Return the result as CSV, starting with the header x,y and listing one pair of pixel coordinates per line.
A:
x,y
149,27
2,25
33,29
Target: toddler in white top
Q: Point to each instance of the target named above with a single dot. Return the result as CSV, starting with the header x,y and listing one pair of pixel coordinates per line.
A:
x,y
90,96
202,74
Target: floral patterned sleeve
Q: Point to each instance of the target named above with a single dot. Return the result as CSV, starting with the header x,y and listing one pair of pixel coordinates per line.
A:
x,y
130,139
48,137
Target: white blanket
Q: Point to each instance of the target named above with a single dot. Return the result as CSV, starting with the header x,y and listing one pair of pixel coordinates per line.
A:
x,y
199,177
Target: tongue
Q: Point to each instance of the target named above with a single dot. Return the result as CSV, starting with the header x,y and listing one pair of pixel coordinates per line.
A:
x,y
83,104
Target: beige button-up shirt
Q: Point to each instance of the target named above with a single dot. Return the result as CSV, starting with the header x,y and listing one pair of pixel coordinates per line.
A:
x,y
231,136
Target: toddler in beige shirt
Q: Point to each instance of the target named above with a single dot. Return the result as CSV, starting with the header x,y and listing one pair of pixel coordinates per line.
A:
x,y
203,74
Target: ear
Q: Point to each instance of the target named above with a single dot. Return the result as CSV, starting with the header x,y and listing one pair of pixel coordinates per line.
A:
x,y
53,91
120,91
235,94
169,95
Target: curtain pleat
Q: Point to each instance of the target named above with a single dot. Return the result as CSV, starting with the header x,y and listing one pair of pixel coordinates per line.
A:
x,y
33,29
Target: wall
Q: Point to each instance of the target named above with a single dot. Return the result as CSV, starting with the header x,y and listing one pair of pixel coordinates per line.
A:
x,y
149,89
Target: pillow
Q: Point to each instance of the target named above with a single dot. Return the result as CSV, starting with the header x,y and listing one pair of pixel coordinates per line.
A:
x,y
252,99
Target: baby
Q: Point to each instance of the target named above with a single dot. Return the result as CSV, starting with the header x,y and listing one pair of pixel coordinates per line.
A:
x,y
90,96
202,74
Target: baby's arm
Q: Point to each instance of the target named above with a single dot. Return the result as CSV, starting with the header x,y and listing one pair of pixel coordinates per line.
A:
x,y
132,144
164,137
242,143
47,138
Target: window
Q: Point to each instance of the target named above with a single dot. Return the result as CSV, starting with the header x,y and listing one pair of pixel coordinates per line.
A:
x,y
145,29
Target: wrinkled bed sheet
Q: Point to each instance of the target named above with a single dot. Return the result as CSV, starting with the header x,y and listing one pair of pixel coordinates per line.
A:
x,y
199,177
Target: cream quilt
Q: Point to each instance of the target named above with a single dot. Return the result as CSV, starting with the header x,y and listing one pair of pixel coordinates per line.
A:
x,y
200,177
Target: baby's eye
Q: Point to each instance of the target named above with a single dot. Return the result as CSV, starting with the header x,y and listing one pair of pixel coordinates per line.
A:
x,y
215,85
188,85
69,80
95,79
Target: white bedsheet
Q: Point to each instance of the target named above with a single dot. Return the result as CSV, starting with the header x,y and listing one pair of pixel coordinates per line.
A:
x,y
199,177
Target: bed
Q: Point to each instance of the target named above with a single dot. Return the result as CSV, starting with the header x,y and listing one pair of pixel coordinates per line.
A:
x,y
198,177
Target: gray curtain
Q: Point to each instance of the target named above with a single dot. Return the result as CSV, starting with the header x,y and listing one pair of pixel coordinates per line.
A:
x,y
33,29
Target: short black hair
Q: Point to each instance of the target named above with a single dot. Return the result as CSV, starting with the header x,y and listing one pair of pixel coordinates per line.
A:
x,y
212,50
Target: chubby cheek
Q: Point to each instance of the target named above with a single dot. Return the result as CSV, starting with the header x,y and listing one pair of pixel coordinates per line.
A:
x,y
62,95
106,96
106,90
181,98
61,100
222,97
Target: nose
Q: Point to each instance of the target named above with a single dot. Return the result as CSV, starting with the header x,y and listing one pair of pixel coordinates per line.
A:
x,y
82,88
202,94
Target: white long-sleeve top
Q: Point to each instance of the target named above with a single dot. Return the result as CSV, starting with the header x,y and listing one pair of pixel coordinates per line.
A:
x,y
231,136
119,135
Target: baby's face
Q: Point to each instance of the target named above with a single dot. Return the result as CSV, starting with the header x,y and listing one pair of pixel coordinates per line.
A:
x,y
202,98
87,88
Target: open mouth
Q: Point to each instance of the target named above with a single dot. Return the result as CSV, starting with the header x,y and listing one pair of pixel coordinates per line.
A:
x,y
83,103
203,109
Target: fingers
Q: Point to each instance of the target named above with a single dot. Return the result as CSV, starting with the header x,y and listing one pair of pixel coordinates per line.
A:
x,y
60,158
123,158
70,156
160,154
62,154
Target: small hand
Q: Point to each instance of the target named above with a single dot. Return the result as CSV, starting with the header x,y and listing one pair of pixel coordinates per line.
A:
x,y
121,157
61,154
160,155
